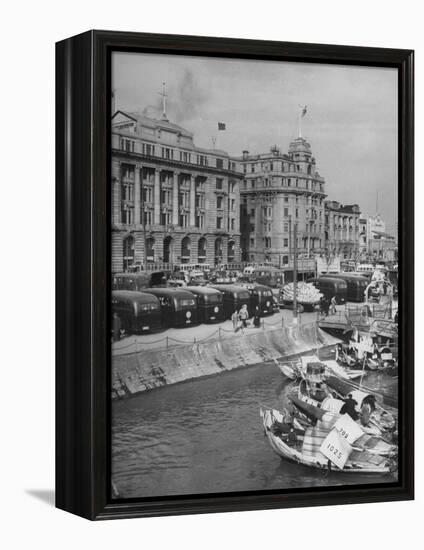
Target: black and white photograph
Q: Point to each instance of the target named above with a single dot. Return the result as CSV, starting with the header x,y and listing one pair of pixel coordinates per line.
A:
x,y
254,275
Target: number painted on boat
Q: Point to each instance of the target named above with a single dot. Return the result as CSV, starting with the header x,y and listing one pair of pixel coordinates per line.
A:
x,y
334,450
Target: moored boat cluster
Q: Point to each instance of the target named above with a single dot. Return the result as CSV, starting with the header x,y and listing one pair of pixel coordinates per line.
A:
x,y
331,421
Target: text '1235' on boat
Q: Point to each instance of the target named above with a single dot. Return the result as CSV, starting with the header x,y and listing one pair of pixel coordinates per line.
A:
x,y
334,442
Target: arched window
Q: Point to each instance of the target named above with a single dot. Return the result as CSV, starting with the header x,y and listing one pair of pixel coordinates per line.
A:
x,y
128,252
185,250
218,250
150,251
201,250
167,249
231,251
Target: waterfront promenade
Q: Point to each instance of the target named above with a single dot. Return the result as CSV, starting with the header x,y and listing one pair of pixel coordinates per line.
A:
x,y
201,333
147,364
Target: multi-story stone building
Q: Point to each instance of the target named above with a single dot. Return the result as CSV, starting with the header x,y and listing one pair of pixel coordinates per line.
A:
x,y
342,235
363,239
278,191
172,202
375,243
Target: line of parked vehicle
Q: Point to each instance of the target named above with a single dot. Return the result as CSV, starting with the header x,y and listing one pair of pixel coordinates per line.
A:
x,y
144,302
151,309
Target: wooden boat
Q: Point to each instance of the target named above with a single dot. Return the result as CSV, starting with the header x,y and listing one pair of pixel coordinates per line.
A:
x,y
329,393
383,415
290,369
314,447
320,388
294,370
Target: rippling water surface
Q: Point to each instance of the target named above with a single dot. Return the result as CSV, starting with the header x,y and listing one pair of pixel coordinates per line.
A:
x,y
206,436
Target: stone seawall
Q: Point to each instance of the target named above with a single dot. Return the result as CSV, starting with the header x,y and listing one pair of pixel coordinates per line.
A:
x,y
149,369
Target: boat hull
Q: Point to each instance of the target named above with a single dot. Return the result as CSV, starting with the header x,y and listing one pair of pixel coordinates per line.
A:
x,y
319,462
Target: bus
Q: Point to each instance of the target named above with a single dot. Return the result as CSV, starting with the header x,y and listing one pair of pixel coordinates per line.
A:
x,y
331,286
178,306
138,312
356,286
138,281
261,296
234,297
268,275
210,304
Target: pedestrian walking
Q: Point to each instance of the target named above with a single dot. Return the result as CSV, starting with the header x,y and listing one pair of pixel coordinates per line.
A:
x,y
116,327
243,315
257,317
324,306
333,305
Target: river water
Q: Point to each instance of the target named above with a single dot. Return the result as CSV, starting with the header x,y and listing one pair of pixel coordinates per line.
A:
x,y
206,436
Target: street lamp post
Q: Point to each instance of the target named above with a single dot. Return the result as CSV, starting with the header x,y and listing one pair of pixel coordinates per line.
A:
x,y
143,220
295,273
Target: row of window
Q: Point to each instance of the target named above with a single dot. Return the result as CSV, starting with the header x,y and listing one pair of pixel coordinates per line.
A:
x,y
267,241
127,217
285,182
168,153
167,178
166,198
275,166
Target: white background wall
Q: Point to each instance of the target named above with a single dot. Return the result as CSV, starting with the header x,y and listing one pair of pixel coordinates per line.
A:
x,y
29,31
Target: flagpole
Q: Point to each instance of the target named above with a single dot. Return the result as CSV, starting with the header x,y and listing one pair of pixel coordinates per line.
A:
x,y
300,121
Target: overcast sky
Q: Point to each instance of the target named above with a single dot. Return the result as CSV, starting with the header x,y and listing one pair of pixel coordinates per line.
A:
x,y
351,121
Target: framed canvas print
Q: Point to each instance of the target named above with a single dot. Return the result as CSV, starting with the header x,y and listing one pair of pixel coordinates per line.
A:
x,y
234,275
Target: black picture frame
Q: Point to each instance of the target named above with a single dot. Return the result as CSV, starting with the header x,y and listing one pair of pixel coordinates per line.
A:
x,y
82,273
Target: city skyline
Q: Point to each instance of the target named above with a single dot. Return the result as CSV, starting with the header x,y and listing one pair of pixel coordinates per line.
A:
x,y
351,120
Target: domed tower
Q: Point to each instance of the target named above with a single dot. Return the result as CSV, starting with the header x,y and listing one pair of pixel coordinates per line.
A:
x,y
301,155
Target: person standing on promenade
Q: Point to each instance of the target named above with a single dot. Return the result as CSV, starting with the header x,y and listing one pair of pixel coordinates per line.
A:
x,y
116,327
257,317
243,315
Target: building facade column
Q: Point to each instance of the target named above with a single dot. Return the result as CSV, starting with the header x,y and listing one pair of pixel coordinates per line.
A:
x,y
237,255
139,250
224,242
192,214
137,192
117,252
175,192
194,248
156,198
209,204
116,192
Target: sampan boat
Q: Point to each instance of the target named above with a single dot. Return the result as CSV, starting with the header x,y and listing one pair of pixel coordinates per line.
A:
x,y
323,447
294,370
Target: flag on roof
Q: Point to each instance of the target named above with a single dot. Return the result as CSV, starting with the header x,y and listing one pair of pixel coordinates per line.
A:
x,y
221,125
304,110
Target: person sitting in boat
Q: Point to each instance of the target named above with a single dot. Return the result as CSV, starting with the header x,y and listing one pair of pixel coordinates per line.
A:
x,y
368,406
289,415
291,438
349,407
